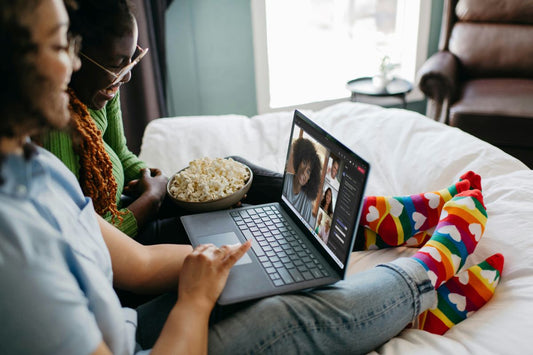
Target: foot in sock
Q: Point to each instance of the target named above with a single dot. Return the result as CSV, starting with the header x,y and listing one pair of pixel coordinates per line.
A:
x,y
369,240
473,178
392,221
457,234
462,295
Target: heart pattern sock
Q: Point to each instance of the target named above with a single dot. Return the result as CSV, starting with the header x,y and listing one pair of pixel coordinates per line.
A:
x,y
462,295
457,234
407,220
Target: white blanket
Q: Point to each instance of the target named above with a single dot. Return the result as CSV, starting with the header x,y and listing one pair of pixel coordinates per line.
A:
x,y
409,153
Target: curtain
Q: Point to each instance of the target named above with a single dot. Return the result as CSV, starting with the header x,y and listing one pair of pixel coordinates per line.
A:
x,y
143,98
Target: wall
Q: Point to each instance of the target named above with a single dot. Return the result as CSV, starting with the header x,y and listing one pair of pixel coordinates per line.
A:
x,y
210,56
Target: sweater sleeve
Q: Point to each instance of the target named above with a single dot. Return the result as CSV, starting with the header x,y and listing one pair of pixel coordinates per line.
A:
x,y
128,225
59,143
115,137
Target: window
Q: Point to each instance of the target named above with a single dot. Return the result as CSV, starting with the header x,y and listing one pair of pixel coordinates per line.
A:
x,y
306,50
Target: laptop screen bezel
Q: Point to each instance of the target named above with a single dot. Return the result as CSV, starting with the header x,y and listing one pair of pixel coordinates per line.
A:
x,y
319,134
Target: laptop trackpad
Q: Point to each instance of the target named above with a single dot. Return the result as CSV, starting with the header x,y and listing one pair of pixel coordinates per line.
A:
x,y
225,239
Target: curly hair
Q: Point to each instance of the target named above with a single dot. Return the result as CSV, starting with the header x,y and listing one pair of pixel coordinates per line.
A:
x,y
22,85
18,70
96,170
304,151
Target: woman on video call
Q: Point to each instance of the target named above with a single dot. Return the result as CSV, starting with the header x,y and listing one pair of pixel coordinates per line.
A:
x,y
301,188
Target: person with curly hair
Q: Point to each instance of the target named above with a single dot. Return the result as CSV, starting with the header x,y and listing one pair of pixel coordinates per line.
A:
x,y
301,188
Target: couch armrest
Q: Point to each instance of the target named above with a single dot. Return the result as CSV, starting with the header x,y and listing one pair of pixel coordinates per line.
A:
x,y
437,79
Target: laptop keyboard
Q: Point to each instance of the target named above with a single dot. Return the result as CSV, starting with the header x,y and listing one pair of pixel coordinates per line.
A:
x,y
285,258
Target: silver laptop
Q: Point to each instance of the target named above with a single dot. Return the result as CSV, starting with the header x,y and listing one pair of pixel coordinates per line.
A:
x,y
304,240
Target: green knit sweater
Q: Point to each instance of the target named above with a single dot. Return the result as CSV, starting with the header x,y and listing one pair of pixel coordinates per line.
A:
x,y
126,165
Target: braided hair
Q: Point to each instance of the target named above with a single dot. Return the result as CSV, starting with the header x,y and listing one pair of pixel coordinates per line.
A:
x,y
96,170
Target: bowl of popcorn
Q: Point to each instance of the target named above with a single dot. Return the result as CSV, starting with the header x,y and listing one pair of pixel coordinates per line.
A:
x,y
209,184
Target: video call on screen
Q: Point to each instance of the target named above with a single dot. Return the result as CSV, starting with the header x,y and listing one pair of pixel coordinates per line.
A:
x,y
335,208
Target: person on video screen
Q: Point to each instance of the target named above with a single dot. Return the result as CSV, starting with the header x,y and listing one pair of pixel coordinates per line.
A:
x,y
323,231
301,188
327,202
332,174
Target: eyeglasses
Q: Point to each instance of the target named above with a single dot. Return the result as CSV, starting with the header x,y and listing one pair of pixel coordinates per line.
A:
x,y
122,72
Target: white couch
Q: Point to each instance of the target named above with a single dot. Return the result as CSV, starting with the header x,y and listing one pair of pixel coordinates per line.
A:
x,y
409,153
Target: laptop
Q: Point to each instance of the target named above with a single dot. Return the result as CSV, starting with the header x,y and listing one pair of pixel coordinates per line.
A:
x,y
305,239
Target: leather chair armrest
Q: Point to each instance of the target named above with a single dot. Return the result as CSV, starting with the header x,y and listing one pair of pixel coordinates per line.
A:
x,y
437,78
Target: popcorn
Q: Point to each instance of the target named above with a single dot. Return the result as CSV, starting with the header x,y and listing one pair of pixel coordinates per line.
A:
x,y
208,179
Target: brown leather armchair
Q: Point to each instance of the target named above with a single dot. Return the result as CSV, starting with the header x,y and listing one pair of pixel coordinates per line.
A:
x,y
481,79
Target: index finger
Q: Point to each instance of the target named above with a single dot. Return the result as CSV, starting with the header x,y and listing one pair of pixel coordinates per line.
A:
x,y
236,252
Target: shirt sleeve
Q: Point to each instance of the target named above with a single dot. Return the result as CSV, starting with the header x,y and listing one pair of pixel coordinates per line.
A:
x,y
43,308
115,137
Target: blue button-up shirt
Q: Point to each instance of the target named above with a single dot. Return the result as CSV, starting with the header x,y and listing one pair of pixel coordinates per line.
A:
x,y
56,294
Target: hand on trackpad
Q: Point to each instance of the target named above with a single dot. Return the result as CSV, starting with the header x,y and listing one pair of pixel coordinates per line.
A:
x,y
225,239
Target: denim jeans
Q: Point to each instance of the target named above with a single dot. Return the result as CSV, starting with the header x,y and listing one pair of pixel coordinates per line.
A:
x,y
352,316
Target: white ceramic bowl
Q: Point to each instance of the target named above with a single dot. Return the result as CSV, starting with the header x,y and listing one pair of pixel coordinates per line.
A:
x,y
211,205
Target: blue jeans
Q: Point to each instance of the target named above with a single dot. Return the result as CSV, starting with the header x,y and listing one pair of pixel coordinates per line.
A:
x,y
352,316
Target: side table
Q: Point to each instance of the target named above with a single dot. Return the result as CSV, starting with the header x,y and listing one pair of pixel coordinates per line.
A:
x,y
363,86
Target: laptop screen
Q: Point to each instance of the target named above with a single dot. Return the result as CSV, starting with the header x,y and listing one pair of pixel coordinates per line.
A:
x,y
323,186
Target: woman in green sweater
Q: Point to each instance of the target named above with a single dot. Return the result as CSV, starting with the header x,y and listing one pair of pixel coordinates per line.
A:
x,y
124,191
94,147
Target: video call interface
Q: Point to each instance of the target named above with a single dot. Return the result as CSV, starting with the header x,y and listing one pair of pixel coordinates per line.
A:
x,y
323,186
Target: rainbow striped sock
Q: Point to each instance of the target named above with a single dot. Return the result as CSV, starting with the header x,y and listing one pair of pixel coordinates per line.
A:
x,y
457,234
407,220
462,295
